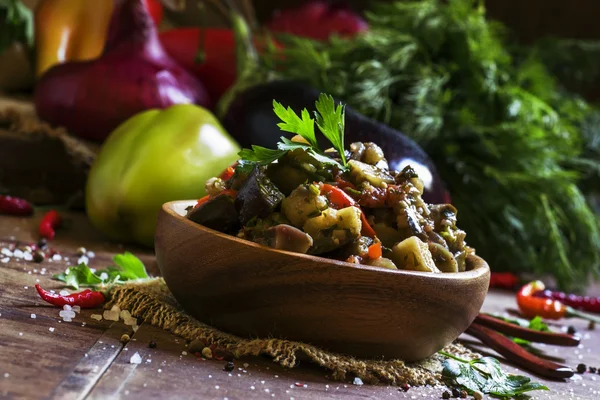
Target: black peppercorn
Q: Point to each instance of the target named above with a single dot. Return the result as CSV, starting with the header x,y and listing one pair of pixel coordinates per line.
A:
x,y
446,395
581,368
592,370
571,330
152,344
455,392
592,325
38,256
42,243
229,366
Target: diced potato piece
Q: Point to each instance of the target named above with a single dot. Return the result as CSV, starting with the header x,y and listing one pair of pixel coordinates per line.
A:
x,y
382,262
346,219
365,172
413,254
443,259
302,204
388,235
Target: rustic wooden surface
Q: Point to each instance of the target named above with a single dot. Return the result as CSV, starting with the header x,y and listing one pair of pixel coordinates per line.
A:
x,y
84,358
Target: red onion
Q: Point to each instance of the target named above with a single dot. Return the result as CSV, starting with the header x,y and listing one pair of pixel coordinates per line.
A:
x,y
134,73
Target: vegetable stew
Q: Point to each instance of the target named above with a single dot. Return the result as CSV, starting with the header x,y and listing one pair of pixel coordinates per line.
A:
x,y
344,204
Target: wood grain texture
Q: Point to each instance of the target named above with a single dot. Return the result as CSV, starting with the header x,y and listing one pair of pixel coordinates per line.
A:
x,y
251,290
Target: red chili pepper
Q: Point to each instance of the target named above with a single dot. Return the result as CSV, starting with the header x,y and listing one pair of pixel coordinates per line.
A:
x,y
342,184
50,221
340,199
228,173
15,206
532,306
504,280
85,299
584,303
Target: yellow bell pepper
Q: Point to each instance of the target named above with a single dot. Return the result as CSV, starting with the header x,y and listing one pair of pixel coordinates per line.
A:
x,y
69,30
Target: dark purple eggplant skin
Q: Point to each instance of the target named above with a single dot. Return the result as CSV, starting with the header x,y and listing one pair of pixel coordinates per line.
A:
x,y
251,121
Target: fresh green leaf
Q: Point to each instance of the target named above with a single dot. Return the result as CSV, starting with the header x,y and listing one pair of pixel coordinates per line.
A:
x,y
261,155
304,126
538,324
486,375
127,267
16,24
79,275
330,120
131,266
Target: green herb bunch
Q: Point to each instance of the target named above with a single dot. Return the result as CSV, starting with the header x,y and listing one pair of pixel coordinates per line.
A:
x,y
504,140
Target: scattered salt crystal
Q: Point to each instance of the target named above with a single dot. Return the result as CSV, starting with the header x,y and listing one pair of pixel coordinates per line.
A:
x,y
252,388
57,257
6,252
33,316
67,314
25,287
135,328
97,317
27,257
91,254
67,307
130,321
358,381
20,333
125,314
145,384
83,260
246,365
110,315
64,293
136,358
77,309
6,374
115,308
5,260
18,253
104,276
184,353
51,329
216,386
159,370
148,361
67,319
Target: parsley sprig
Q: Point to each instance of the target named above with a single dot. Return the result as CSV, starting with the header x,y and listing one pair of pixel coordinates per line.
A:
x,y
127,267
329,120
485,375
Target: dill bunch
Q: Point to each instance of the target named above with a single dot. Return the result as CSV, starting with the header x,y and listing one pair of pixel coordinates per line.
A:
x,y
502,137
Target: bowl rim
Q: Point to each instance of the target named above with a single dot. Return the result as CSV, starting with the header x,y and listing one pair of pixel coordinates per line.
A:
x,y
480,266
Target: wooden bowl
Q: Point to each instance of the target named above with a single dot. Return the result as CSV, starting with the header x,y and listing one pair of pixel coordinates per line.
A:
x,y
253,291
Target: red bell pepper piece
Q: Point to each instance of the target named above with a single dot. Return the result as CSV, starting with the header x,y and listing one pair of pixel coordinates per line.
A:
x,y
155,9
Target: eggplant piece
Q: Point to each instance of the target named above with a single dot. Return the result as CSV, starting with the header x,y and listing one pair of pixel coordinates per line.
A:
x,y
218,214
250,120
287,237
257,196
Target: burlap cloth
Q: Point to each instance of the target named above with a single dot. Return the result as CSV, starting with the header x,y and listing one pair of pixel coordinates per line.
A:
x,y
152,302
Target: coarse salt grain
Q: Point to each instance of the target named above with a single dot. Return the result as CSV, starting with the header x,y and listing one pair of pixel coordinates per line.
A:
x,y
97,317
5,260
67,307
104,276
6,374
83,260
358,381
77,309
110,315
6,252
27,257
33,316
20,333
57,257
51,329
25,287
18,254
125,314
91,254
64,293
136,358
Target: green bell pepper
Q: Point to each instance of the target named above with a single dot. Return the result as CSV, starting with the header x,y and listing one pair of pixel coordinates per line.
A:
x,y
154,157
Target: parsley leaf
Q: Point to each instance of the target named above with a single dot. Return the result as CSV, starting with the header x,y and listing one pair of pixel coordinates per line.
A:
x,y
261,155
330,120
304,126
127,267
485,375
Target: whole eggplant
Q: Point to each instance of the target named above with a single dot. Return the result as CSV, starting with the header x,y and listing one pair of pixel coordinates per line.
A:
x,y
250,119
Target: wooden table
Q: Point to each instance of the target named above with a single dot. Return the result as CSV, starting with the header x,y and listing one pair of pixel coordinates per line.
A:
x,y
43,357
